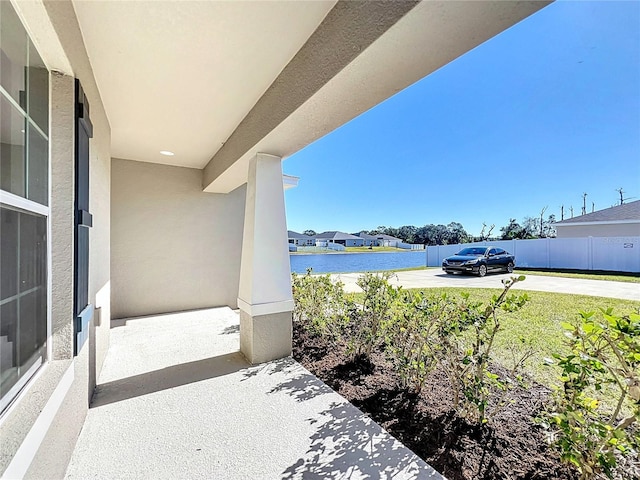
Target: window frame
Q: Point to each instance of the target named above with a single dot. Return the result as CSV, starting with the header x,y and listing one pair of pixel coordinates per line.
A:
x,y
26,205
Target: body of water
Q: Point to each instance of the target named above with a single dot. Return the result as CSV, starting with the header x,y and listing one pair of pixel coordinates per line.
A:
x,y
357,262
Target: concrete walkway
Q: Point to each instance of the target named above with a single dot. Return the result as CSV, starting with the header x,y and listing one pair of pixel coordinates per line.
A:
x,y
437,278
176,400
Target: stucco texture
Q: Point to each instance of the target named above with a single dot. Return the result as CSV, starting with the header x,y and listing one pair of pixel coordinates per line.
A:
x,y
606,230
173,247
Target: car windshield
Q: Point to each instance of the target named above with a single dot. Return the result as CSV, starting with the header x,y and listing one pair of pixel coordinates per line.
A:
x,y
472,251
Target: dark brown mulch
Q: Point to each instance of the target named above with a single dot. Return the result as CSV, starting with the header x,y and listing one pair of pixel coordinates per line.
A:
x,y
511,447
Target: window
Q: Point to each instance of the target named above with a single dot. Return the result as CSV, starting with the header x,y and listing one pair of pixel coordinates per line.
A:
x,y
24,211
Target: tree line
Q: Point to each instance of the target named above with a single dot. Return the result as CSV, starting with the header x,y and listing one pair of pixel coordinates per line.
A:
x,y
454,232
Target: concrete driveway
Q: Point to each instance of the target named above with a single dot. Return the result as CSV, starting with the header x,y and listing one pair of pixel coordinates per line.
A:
x,y
437,278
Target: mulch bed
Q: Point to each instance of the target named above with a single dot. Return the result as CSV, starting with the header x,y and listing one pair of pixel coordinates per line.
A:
x,y
510,447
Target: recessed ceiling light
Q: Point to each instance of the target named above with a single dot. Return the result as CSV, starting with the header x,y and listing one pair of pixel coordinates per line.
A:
x,y
167,153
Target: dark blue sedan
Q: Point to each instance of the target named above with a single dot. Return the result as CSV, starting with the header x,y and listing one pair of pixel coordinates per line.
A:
x,y
479,260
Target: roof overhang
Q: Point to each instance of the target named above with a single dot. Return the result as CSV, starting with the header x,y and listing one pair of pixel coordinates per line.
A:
x,y
218,82
289,181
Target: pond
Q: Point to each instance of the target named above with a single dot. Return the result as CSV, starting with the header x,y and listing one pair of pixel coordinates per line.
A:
x,y
357,262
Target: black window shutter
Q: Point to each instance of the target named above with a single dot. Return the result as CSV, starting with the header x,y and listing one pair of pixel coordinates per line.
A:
x,y
83,219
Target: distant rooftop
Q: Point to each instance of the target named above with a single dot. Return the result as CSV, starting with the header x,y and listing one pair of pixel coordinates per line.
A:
x,y
334,235
379,236
620,213
302,236
366,236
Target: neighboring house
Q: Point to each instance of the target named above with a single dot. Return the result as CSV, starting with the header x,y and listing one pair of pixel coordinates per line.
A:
x,y
141,171
380,240
619,221
300,239
341,238
388,240
369,240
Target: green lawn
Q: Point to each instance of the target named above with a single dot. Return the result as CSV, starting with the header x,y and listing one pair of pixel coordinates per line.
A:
x,y
374,249
591,276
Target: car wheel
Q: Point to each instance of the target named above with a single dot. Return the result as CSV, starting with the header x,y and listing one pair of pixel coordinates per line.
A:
x,y
510,267
482,270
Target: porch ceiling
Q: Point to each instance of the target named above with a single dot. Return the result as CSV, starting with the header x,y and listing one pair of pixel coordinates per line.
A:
x,y
181,75
217,82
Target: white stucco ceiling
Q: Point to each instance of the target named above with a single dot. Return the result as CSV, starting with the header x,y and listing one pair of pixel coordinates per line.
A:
x,y
181,75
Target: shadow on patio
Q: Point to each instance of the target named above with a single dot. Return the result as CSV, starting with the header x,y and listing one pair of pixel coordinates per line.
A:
x,y
177,400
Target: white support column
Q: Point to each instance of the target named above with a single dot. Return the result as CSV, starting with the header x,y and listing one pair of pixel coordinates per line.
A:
x,y
264,296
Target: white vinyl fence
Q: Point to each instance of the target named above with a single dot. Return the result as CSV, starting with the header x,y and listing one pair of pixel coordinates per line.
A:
x,y
619,254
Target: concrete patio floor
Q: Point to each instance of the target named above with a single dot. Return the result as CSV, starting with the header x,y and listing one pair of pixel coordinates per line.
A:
x,y
435,277
176,400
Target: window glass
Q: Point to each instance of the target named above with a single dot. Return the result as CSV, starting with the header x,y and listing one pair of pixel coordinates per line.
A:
x,y
38,91
13,54
38,167
24,167
23,298
12,148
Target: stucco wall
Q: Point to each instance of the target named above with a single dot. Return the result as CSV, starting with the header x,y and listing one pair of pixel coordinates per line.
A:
x,y
51,410
619,230
173,247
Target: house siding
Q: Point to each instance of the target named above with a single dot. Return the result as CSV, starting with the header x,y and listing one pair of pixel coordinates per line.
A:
x,y
173,246
609,230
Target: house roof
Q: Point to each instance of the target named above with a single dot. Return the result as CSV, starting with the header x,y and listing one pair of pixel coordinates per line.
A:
x,y
366,235
620,213
297,235
334,235
383,236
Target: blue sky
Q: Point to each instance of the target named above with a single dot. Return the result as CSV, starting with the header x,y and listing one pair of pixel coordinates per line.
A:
x,y
534,117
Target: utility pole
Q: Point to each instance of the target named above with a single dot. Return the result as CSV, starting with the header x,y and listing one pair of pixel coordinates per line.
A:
x,y
571,208
593,207
584,203
561,212
622,198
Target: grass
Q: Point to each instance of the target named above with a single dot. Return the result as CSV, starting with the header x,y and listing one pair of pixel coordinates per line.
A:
x,y
589,276
375,249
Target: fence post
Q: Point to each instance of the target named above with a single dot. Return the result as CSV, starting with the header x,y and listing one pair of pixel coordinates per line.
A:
x,y
548,252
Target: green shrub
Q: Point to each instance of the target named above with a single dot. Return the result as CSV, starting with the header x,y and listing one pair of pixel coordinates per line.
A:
x,y
605,350
467,338
456,335
412,338
321,306
370,319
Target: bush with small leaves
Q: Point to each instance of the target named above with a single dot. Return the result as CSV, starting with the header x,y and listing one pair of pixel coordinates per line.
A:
x,y
320,305
368,322
604,350
411,338
467,339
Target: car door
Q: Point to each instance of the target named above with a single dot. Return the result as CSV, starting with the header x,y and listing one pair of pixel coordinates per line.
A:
x,y
493,259
502,258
